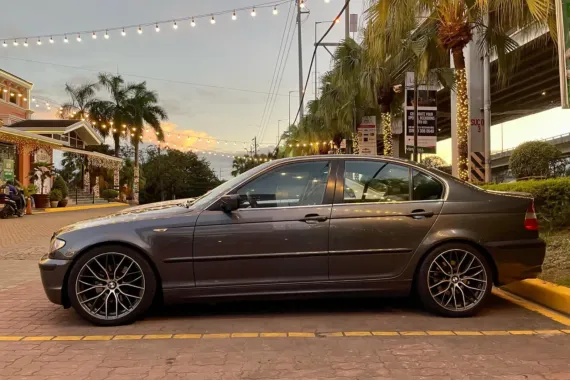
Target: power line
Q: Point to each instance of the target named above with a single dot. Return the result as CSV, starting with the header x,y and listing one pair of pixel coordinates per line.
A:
x,y
271,86
313,58
142,76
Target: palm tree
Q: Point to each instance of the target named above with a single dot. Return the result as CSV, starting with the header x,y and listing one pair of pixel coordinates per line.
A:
x,y
115,112
143,109
82,99
451,23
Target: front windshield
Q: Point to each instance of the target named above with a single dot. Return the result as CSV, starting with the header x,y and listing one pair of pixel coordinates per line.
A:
x,y
211,196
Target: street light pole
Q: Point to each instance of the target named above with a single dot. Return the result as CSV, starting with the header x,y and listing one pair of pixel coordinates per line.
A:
x,y
300,43
290,106
278,130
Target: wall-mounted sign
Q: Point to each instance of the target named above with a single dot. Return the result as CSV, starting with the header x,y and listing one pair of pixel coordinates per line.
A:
x,y
367,136
427,115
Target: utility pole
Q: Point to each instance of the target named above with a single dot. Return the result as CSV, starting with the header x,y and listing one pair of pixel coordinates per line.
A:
x,y
347,20
300,43
255,145
290,107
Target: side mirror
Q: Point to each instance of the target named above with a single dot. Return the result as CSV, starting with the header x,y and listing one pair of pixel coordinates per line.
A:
x,y
230,202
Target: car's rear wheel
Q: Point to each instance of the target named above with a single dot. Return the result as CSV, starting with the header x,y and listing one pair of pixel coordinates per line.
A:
x,y
111,285
454,280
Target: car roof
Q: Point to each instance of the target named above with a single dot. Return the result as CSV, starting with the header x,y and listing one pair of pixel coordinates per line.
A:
x,y
350,157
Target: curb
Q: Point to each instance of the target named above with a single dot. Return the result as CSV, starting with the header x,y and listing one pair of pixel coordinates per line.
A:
x,y
556,297
86,207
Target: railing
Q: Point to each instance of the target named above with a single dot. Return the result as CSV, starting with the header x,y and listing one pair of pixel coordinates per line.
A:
x,y
493,152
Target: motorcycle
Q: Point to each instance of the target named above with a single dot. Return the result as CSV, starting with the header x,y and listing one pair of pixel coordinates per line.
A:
x,y
9,206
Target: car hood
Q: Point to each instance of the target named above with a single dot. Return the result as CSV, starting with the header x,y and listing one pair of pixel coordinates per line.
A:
x,y
155,211
158,205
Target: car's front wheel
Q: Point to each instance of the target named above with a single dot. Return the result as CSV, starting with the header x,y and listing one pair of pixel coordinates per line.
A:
x,y
111,285
454,280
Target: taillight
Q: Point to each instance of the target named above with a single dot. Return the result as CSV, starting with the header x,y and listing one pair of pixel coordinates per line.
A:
x,y
530,221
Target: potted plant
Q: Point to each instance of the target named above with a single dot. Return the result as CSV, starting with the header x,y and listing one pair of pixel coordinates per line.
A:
x,y
41,171
60,185
54,197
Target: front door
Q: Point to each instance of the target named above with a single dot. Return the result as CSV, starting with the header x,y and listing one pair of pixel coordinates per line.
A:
x,y
381,213
280,233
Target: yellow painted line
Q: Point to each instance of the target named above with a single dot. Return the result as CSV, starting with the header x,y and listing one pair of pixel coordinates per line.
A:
x,y
10,338
187,336
38,338
557,317
413,333
68,337
98,337
556,297
357,333
127,337
301,335
245,335
157,336
467,333
385,333
216,336
273,335
521,332
495,333
332,334
549,332
440,333
86,207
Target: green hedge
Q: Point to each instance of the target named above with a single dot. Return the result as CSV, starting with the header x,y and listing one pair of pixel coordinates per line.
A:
x,y
551,199
109,194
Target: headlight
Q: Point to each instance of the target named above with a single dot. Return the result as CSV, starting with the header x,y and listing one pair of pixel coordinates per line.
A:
x,y
56,244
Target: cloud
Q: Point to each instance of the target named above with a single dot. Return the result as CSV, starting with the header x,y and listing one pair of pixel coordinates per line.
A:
x,y
182,138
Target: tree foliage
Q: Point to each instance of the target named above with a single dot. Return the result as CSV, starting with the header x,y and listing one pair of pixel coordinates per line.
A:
x,y
173,174
241,164
536,159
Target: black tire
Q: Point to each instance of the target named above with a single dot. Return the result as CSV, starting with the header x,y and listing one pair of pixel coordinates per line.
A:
x,y
423,285
138,310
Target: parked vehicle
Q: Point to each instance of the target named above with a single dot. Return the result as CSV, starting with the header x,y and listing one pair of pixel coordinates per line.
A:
x,y
11,205
302,226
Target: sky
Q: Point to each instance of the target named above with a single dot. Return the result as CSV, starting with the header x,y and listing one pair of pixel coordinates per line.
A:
x,y
213,80
237,54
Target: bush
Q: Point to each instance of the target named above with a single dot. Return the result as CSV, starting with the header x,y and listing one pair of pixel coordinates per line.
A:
x,y
109,194
551,199
55,195
536,159
59,184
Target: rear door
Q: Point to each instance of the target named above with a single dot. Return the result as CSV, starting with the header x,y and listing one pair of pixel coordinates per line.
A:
x,y
381,213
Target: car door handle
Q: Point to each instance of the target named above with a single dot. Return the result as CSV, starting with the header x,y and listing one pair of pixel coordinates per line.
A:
x,y
421,214
314,218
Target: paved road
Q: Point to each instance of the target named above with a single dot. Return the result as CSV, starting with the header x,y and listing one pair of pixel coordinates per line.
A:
x,y
362,339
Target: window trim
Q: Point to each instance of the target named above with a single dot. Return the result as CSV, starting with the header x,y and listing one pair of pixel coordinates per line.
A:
x,y
339,191
329,190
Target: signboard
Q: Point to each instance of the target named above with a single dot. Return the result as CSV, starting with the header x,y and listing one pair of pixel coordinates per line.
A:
x,y
7,169
427,115
353,23
367,136
563,21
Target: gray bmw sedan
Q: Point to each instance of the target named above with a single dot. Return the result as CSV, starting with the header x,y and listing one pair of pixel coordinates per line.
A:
x,y
308,225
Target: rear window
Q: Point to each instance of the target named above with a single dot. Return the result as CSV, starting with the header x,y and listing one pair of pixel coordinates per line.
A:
x,y
425,187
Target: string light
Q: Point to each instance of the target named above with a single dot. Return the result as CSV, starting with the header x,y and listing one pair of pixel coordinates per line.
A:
x,y
462,123
192,23
4,44
275,11
106,35
386,119
253,13
26,42
139,31
39,41
65,40
94,36
123,33
78,37
16,43
157,28
327,1
212,21
301,3
175,25
234,17
51,41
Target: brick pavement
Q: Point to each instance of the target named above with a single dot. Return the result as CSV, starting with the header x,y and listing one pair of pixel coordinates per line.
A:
x,y
24,311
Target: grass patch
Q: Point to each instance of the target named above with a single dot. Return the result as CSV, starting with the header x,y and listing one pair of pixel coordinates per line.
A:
x,y
556,267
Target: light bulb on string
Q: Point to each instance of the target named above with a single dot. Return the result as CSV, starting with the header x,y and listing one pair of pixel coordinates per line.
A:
x,y
94,36
39,41
139,31
4,44
123,33
212,21
234,16
253,13
301,3
51,41
16,43
275,11
78,37
106,35
65,40
327,1
157,28
192,23
175,25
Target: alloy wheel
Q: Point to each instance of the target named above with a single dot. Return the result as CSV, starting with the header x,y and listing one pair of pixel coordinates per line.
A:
x,y
110,285
457,280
